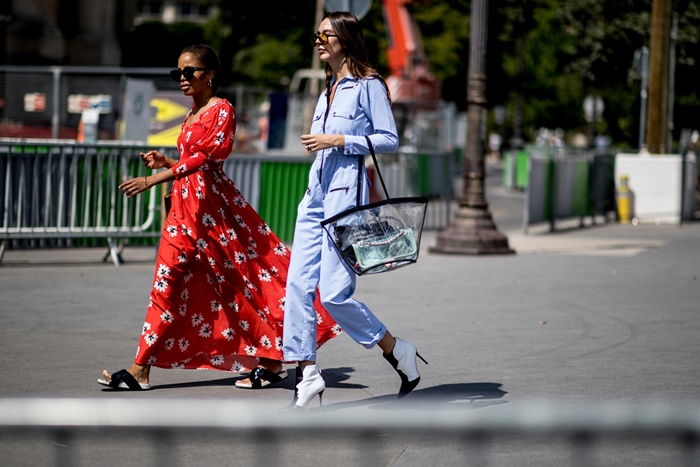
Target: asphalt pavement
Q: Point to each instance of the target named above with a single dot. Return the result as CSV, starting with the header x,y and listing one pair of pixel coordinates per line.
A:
x,y
607,313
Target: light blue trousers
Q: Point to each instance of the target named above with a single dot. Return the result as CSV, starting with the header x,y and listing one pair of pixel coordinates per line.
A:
x,y
316,264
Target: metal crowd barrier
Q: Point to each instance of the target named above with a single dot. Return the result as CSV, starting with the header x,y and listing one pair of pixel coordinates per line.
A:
x,y
65,194
377,433
569,186
51,191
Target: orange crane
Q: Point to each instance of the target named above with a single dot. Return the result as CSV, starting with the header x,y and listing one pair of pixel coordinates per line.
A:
x,y
411,82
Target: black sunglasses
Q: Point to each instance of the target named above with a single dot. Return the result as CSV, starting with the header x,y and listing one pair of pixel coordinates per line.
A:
x,y
321,36
187,72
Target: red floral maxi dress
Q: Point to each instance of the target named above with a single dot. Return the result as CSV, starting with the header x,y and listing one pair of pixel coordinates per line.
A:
x,y
218,293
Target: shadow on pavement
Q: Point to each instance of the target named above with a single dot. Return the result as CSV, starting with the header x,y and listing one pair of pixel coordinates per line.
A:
x,y
442,397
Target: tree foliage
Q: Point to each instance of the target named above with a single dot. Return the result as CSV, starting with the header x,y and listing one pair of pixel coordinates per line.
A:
x,y
553,53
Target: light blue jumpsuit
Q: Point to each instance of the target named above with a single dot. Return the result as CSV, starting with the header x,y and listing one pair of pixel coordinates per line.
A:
x,y
360,107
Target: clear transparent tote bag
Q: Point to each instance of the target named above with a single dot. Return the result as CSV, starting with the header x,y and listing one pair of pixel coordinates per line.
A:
x,y
378,237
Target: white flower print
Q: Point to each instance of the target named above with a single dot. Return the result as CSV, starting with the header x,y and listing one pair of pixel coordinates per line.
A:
x,y
319,319
151,360
281,249
336,329
264,229
220,279
212,261
223,113
249,284
282,302
208,220
169,344
265,342
172,230
240,257
181,170
220,137
264,276
197,319
183,309
200,193
231,234
194,154
185,230
185,294
188,276
278,343
166,316
200,180
223,240
234,306
262,316
237,367
228,264
205,330
247,294
252,254
161,285
274,271
177,366
217,360
209,280
163,270
222,213
146,327
182,257
187,136
185,192
252,242
216,306
183,343
151,338
250,350
202,244
244,325
228,334
240,201
240,221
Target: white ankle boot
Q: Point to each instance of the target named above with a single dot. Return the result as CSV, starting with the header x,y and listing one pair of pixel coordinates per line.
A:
x,y
403,359
312,383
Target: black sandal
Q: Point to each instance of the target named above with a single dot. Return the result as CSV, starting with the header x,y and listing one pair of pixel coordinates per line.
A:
x,y
122,379
262,377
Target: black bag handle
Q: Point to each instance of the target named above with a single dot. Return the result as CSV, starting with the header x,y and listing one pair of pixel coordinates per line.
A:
x,y
376,166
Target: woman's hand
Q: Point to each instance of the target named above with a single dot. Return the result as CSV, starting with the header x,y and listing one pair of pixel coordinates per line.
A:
x,y
135,186
155,160
314,143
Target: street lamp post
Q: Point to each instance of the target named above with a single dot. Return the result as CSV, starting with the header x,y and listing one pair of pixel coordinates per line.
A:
x,y
473,230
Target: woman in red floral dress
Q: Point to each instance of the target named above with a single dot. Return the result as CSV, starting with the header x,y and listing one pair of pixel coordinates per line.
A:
x,y
217,300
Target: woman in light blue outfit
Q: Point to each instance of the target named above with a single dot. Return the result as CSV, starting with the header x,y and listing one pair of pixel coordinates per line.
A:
x,y
355,103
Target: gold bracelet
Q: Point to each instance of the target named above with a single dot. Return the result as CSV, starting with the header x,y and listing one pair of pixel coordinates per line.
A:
x,y
145,180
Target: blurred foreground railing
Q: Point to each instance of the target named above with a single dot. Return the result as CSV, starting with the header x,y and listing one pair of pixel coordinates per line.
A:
x,y
451,434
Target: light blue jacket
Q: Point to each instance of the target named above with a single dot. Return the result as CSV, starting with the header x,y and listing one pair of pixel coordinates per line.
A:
x,y
360,107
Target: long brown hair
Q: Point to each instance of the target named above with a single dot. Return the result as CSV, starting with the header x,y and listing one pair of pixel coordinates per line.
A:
x,y
352,40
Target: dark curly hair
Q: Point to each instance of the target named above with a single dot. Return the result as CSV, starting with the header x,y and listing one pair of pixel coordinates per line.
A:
x,y
208,59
